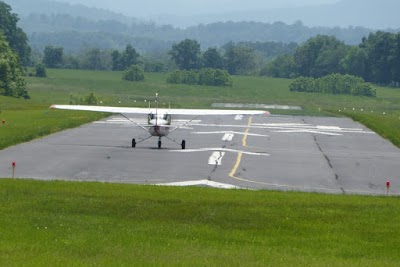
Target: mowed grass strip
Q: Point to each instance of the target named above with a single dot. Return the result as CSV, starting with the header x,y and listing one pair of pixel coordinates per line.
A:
x,y
24,125
388,126
86,224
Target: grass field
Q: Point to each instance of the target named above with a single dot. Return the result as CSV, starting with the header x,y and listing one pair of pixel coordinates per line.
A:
x,y
76,224
87,224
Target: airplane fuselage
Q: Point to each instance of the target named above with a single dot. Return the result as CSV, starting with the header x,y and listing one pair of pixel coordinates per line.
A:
x,y
158,130
159,124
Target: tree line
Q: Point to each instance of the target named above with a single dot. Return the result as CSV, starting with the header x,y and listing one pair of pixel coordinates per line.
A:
x,y
376,59
14,52
185,55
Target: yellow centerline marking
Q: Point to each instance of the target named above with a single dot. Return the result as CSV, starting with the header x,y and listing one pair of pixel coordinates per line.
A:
x,y
240,155
234,169
244,140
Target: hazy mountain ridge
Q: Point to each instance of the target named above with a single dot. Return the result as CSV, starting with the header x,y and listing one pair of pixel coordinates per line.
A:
x,y
76,27
364,13
25,8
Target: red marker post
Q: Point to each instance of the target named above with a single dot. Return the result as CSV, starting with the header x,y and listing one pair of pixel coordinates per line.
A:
x,y
387,187
13,167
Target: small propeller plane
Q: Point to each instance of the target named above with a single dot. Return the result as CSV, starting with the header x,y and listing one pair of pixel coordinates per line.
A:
x,y
159,120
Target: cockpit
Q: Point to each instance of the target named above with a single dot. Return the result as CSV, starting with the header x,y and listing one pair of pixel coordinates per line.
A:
x,y
165,117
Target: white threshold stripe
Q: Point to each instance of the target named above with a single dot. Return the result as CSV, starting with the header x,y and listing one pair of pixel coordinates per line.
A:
x,y
216,158
220,150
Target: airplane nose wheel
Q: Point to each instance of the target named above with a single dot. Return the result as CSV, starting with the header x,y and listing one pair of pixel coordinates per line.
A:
x,y
133,142
159,143
183,144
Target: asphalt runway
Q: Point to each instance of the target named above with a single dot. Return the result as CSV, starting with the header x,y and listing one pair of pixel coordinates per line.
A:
x,y
313,154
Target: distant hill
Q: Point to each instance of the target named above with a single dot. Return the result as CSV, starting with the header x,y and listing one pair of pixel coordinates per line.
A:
x,y
25,8
373,14
76,27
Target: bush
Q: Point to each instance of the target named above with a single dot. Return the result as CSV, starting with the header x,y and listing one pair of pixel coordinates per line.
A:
x,y
206,76
134,74
41,71
90,99
175,77
334,84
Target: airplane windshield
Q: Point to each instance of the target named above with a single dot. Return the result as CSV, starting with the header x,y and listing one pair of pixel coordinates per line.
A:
x,y
159,116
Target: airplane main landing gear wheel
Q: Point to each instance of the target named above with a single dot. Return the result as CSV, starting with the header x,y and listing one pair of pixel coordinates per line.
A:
x,y
133,142
183,144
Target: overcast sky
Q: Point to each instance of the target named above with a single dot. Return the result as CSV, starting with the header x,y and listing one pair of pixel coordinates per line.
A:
x,y
141,8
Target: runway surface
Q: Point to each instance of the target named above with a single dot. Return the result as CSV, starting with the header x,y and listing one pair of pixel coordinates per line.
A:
x,y
315,154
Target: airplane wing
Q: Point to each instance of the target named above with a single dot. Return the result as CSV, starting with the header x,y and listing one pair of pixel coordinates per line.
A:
x,y
128,110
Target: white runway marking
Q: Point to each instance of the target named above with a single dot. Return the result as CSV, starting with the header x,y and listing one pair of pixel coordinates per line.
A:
x,y
203,183
230,132
308,131
220,149
216,158
239,117
295,128
228,137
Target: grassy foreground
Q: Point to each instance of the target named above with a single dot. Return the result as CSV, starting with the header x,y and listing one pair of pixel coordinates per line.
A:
x,y
80,224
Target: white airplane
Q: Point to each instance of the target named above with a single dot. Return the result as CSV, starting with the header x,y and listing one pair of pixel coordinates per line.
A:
x,y
159,120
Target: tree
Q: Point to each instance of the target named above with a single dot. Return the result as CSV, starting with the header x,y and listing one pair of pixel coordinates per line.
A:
x,y
282,67
116,60
122,61
240,60
213,59
130,57
53,56
319,56
134,74
354,62
14,35
95,59
186,54
380,48
12,82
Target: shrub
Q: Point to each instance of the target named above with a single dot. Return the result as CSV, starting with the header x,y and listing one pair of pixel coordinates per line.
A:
x,y
41,71
206,76
90,99
134,74
334,84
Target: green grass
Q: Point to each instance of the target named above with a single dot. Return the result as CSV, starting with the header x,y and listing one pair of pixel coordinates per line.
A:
x,y
61,223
